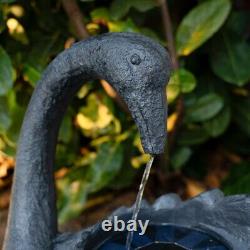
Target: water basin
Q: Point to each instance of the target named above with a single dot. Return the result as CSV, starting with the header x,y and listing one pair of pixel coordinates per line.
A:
x,y
169,237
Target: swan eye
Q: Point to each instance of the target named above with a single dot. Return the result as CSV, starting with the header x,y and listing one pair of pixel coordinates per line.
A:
x,y
135,59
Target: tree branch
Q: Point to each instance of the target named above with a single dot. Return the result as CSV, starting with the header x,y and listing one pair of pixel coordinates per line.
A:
x,y
171,46
76,18
167,23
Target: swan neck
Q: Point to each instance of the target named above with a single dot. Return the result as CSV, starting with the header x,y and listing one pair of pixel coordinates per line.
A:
x,y
32,222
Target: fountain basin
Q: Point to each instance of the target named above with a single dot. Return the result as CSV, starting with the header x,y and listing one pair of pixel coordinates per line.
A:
x,y
208,221
167,237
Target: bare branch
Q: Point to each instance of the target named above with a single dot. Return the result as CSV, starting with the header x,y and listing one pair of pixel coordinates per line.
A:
x,y
168,32
76,18
171,46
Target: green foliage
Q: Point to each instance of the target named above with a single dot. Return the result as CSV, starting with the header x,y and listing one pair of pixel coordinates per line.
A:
x,y
98,143
242,114
200,24
204,108
105,166
4,115
230,59
193,135
120,8
238,181
7,75
219,123
180,157
31,74
102,169
181,81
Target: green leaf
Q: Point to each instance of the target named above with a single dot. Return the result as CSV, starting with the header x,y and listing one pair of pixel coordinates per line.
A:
x,y
238,182
218,124
185,79
143,5
120,8
100,13
74,188
65,132
2,144
66,154
123,26
180,157
96,118
14,114
7,73
238,22
181,80
17,114
106,165
84,90
5,120
204,108
230,59
192,136
200,24
46,47
71,200
31,74
127,173
241,114
91,109
172,91
150,33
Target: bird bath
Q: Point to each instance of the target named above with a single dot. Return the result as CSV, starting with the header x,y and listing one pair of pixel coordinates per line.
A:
x,y
138,68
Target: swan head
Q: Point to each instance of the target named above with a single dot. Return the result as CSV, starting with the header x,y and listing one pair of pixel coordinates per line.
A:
x,y
139,68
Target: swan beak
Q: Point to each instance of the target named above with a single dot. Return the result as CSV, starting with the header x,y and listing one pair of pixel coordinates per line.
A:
x,y
148,108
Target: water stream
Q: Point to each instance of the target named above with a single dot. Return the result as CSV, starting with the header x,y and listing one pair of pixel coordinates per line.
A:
x,y
139,199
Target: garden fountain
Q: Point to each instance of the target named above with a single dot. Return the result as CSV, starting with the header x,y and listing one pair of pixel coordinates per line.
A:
x,y
138,68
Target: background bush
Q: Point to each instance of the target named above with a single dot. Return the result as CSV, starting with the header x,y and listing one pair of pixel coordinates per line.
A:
x,y
99,146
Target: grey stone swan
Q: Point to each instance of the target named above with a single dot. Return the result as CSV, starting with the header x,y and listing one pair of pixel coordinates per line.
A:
x,y
137,68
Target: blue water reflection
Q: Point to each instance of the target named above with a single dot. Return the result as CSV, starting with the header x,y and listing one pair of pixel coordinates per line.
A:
x,y
168,237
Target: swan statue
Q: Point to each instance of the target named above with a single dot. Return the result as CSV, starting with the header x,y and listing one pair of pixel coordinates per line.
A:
x,y
138,69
